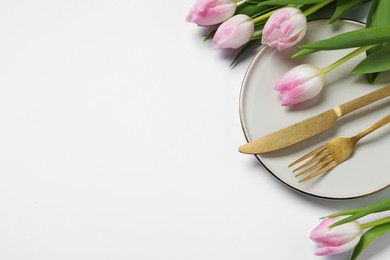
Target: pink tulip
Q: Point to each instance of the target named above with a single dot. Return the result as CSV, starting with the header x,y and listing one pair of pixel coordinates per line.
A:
x,y
233,33
210,12
299,84
285,28
337,239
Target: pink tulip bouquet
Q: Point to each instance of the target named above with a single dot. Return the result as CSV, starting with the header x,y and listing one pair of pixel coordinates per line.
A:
x,y
281,24
248,23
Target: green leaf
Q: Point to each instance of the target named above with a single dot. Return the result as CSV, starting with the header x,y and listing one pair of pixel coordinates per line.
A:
x,y
292,2
244,49
371,13
253,2
253,10
370,236
378,16
361,212
209,35
344,213
303,52
369,24
356,38
371,77
377,61
345,6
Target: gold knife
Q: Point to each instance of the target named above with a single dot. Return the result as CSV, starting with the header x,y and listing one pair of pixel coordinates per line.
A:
x,y
311,126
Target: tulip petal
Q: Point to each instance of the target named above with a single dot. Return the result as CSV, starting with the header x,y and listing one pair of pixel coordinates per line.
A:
x,y
302,93
233,33
297,76
285,28
300,84
333,250
335,236
210,12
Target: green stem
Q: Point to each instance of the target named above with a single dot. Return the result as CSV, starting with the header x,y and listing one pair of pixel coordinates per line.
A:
x,y
345,59
263,17
257,35
267,15
307,12
240,2
375,223
316,7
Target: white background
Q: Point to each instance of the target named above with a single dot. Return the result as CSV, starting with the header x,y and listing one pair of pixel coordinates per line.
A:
x,y
118,140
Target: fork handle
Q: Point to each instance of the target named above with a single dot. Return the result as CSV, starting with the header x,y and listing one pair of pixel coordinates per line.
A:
x,y
378,124
363,101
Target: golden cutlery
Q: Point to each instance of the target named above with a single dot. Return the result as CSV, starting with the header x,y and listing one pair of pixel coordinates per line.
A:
x,y
332,153
310,127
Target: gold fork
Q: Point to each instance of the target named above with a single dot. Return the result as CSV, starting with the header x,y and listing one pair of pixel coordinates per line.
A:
x,y
333,153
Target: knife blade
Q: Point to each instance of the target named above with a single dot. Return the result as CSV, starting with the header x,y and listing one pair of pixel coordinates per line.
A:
x,y
310,127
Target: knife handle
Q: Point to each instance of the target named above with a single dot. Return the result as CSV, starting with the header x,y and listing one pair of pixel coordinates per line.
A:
x,y
362,101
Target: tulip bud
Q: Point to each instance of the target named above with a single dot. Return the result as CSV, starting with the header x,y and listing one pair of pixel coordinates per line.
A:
x,y
210,12
338,239
233,33
284,28
300,84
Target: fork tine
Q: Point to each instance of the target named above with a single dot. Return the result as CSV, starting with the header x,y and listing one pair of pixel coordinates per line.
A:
x,y
319,164
322,170
318,157
319,149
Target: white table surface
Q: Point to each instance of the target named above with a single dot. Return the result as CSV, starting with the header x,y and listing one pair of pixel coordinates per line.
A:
x,y
118,140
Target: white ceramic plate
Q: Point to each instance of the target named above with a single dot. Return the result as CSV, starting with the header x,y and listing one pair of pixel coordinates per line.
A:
x,y
367,171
